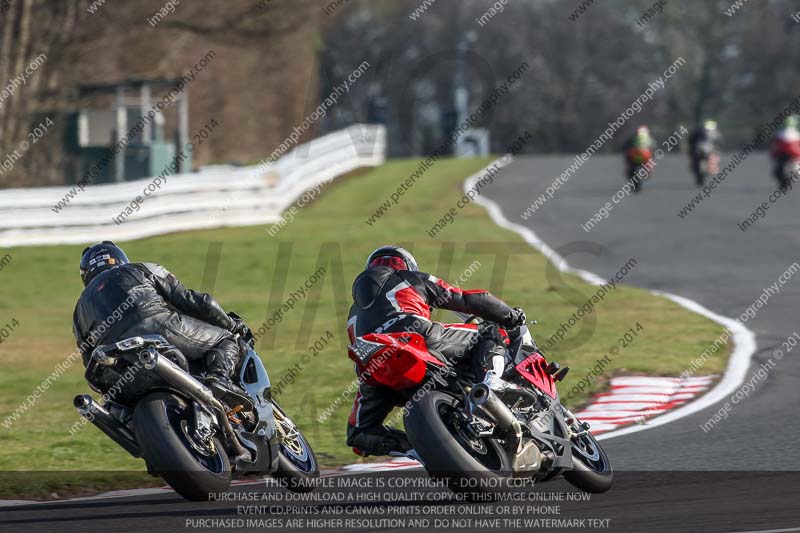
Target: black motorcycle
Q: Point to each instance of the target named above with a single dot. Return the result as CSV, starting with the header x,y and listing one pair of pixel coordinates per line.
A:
x,y
705,162
156,408
788,173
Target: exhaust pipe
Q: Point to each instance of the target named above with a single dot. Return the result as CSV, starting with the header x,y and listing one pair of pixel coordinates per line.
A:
x,y
183,381
107,423
526,457
485,403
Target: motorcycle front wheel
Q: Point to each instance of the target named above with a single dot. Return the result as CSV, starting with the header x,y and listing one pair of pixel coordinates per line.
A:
x,y
701,173
592,470
634,179
297,464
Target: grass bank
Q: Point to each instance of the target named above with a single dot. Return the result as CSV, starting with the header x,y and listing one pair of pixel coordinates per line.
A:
x,y
255,275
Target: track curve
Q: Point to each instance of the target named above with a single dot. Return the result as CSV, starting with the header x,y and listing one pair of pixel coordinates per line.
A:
x,y
741,485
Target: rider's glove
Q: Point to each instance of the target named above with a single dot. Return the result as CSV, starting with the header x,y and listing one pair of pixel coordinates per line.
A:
x,y
517,318
238,325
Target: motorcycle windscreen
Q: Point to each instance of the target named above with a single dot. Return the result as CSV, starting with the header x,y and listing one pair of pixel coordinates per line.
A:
x,y
534,369
401,363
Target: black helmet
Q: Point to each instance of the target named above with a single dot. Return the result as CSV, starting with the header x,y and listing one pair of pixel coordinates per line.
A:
x,y
100,257
390,256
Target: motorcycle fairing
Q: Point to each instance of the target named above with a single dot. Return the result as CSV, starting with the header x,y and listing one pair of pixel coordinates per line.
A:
x,y
534,369
254,379
396,360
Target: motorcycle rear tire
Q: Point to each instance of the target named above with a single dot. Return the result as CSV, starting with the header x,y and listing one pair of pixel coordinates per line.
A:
x,y
444,457
170,457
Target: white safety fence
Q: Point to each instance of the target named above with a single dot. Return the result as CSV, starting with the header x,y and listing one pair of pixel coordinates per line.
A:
x,y
215,197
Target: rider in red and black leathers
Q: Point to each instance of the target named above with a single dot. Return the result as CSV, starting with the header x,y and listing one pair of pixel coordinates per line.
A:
x,y
639,156
392,296
785,147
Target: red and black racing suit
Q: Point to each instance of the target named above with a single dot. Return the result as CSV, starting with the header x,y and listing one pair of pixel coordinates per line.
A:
x,y
638,153
785,147
391,301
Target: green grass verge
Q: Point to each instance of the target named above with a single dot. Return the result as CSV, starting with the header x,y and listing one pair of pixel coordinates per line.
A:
x,y
41,284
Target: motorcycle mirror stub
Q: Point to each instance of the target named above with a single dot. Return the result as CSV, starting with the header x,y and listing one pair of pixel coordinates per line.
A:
x,y
555,370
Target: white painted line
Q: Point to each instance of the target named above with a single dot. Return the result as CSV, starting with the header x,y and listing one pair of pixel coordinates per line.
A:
x,y
400,463
617,408
735,373
656,390
660,381
583,415
649,398
598,427
624,406
744,339
618,420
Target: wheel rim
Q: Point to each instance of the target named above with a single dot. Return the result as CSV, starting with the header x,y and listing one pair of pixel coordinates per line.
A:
x,y
589,452
486,451
293,445
207,455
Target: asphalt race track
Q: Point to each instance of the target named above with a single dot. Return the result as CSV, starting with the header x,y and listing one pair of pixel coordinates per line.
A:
x,y
705,257
747,501
671,478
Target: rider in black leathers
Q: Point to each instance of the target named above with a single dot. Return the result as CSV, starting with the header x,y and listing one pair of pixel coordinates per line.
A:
x,y
391,296
148,299
703,141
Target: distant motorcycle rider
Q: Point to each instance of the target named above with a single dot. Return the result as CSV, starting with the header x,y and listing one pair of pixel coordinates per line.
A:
x,y
704,144
159,304
785,147
391,296
638,153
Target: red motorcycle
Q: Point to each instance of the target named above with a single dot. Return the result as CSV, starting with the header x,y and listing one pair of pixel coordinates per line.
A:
x,y
786,154
640,163
467,434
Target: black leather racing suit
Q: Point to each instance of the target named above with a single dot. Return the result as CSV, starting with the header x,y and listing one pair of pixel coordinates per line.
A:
x,y
388,300
145,298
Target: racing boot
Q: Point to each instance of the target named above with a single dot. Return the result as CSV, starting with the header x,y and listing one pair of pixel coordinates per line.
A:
x,y
379,441
220,364
228,392
508,392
